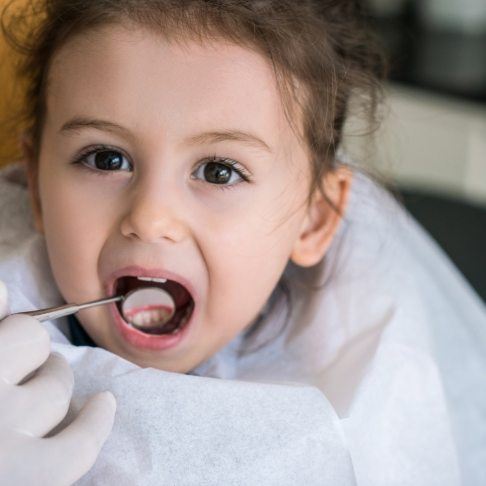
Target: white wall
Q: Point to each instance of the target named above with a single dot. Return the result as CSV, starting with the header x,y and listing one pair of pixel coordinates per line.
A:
x,y
429,142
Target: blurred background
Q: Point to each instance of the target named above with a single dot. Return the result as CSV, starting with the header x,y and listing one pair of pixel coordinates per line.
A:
x,y
432,141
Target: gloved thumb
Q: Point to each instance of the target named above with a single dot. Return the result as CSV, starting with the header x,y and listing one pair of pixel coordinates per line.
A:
x,y
3,300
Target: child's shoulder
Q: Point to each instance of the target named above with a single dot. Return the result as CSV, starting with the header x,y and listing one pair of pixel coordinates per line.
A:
x,y
385,241
24,265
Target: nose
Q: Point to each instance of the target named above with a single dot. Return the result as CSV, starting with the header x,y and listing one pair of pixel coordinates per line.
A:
x,y
152,216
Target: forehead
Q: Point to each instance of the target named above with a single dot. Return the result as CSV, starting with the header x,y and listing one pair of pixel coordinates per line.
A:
x,y
140,80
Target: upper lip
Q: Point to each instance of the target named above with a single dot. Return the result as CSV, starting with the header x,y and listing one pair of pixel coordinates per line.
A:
x,y
138,271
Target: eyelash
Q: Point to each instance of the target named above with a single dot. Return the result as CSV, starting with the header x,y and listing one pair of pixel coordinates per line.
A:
x,y
245,176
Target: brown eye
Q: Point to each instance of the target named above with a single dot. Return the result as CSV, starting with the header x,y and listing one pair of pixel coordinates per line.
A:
x,y
106,160
217,173
220,172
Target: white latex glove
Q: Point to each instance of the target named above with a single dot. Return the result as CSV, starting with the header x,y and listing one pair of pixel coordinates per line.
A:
x,y
30,408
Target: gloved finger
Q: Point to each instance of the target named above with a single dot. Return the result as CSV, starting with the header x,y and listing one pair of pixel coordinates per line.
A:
x,y
42,402
3,300
73,451
24,346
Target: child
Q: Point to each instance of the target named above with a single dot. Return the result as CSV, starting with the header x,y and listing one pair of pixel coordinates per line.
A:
x,y
197,142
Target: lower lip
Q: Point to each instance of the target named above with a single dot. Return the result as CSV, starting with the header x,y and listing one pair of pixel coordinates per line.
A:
x,y
145,341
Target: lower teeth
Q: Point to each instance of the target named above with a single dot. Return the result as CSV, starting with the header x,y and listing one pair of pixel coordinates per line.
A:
x,y
153,329
151,318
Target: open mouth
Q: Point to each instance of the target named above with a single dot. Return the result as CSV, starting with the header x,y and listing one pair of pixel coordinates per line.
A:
x,y
152,317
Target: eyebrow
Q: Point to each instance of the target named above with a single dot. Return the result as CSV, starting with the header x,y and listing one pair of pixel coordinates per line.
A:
x,y
213,136
80,122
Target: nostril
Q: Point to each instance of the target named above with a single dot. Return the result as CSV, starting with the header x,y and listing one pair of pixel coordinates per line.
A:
x,y
148,220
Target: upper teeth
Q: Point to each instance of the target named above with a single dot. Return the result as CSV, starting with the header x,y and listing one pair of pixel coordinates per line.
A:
x,y
152,279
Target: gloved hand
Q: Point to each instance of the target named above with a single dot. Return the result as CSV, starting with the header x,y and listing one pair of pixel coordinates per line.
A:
x,y
31,405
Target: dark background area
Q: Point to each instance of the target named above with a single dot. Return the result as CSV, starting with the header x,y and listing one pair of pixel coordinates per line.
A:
x,y
458,227
445,59
449,60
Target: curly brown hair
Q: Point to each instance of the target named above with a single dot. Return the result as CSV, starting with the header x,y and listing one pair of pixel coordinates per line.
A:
x,y
323,46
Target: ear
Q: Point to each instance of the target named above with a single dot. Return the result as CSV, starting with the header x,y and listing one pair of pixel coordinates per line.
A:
x,y
322,220
32,168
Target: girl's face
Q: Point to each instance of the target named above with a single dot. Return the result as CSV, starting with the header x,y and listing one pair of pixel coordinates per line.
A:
x,y
138,134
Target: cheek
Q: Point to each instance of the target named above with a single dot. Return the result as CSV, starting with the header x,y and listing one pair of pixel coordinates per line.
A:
x,y
247,253
73,228
263,226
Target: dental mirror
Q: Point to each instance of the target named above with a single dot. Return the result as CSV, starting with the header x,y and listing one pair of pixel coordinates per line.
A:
x,y
147,307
